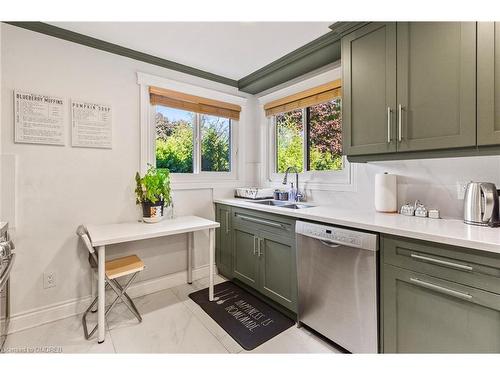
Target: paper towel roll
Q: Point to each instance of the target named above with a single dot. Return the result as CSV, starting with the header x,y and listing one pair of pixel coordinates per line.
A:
x,y
386,192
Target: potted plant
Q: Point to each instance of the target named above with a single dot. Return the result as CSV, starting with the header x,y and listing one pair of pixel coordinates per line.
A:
x,y
153,193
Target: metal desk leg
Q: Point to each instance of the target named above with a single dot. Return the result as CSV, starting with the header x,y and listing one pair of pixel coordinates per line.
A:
x,y
190,257
101,257
93,290
211,260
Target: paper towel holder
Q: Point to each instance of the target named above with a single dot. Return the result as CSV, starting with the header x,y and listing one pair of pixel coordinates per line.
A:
x,y
386,193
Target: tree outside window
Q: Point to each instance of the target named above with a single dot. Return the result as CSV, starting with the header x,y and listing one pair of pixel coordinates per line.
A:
x,y
176,132
310,137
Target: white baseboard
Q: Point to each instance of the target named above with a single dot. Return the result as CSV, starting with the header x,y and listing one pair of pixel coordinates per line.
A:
x,y
57,311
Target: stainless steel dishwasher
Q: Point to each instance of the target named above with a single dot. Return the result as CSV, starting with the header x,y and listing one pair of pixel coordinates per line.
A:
x,y
337,277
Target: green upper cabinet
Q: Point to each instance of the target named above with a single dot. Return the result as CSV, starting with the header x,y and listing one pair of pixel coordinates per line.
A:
x,y
409,86
369,89
436,85
488,83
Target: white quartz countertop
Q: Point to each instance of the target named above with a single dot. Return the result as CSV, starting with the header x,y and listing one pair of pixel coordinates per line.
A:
x,y
447,231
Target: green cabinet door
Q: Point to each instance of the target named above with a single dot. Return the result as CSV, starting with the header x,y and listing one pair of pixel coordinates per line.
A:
x,y
245,258
369,90
278,269
488,83
424,314
224,251
436,85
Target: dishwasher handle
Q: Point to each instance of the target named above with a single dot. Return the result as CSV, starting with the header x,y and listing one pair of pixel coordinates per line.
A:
x,y
330,243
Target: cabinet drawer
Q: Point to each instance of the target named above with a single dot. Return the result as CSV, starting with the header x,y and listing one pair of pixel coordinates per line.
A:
x,y
257,220
471,267
424,314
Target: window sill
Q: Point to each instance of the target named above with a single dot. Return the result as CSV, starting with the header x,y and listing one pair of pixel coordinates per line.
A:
x,y
328,181
316,185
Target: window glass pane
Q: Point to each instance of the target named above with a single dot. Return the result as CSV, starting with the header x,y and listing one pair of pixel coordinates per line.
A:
x,y
325,136
289,141
174,139
215,143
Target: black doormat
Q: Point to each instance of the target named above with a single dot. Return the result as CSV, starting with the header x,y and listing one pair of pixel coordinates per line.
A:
x,y
247,319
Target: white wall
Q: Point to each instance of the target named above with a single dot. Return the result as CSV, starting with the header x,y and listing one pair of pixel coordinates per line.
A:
x,y
61,187
432,181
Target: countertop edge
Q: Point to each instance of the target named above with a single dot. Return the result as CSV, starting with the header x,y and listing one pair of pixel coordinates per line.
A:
x,y
491,247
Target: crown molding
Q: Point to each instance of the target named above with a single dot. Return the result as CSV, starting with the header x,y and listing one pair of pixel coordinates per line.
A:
x,y
71,36
316,54
320,52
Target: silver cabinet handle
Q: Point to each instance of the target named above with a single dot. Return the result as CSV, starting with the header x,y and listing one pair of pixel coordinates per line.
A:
x,y
400,122
254,246
442,262
260,221
441,289
388,124
227,222
259,241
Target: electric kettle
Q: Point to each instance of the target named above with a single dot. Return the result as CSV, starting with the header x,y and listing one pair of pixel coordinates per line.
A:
x,y
481,204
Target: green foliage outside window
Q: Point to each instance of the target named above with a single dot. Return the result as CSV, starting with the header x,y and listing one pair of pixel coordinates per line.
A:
x,y
175,152
215,144
324,138
289,141
174,141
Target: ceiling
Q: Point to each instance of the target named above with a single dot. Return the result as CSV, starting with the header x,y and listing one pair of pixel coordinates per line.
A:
x,y
229,49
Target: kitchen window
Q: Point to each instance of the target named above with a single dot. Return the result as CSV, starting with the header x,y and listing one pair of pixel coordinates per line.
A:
x,y
305,131
193,135
182,136
310,138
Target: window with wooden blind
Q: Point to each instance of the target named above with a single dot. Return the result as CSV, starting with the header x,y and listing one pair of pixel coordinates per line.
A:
x,y
308,129
193,134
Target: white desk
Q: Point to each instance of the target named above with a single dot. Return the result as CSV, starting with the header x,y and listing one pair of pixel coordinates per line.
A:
x,y
108,234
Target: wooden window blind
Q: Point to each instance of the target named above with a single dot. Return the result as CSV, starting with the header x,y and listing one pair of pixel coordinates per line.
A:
x,y
307,98
179,100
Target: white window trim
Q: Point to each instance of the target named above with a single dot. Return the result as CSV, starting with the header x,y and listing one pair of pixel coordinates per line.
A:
x,y
148,133
309,180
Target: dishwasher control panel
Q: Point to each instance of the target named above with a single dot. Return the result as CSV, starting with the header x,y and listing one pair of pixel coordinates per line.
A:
x,y
341,236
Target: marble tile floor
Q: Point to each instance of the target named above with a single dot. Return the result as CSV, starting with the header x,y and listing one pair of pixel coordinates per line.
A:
x,y
172,323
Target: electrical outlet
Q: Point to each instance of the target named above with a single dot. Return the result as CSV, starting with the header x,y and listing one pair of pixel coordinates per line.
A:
x,y
461,187
49,280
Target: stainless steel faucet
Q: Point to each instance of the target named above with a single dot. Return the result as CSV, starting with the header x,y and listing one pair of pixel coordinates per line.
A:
x,y
298,195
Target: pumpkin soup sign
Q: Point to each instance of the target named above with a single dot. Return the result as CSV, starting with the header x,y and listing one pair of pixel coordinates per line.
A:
x,y
91,125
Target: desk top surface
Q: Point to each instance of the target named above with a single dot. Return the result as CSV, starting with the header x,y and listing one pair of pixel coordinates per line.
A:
x,y
107,234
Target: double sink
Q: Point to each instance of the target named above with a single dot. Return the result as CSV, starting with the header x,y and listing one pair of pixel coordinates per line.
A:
x,y
283,204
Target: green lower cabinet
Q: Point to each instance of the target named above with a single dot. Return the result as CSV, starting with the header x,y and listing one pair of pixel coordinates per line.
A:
x,y
278,270
424,314
245,258
224,245
258,249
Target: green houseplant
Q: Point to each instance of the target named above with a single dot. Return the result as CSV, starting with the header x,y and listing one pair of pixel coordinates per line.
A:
x,y
153,193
